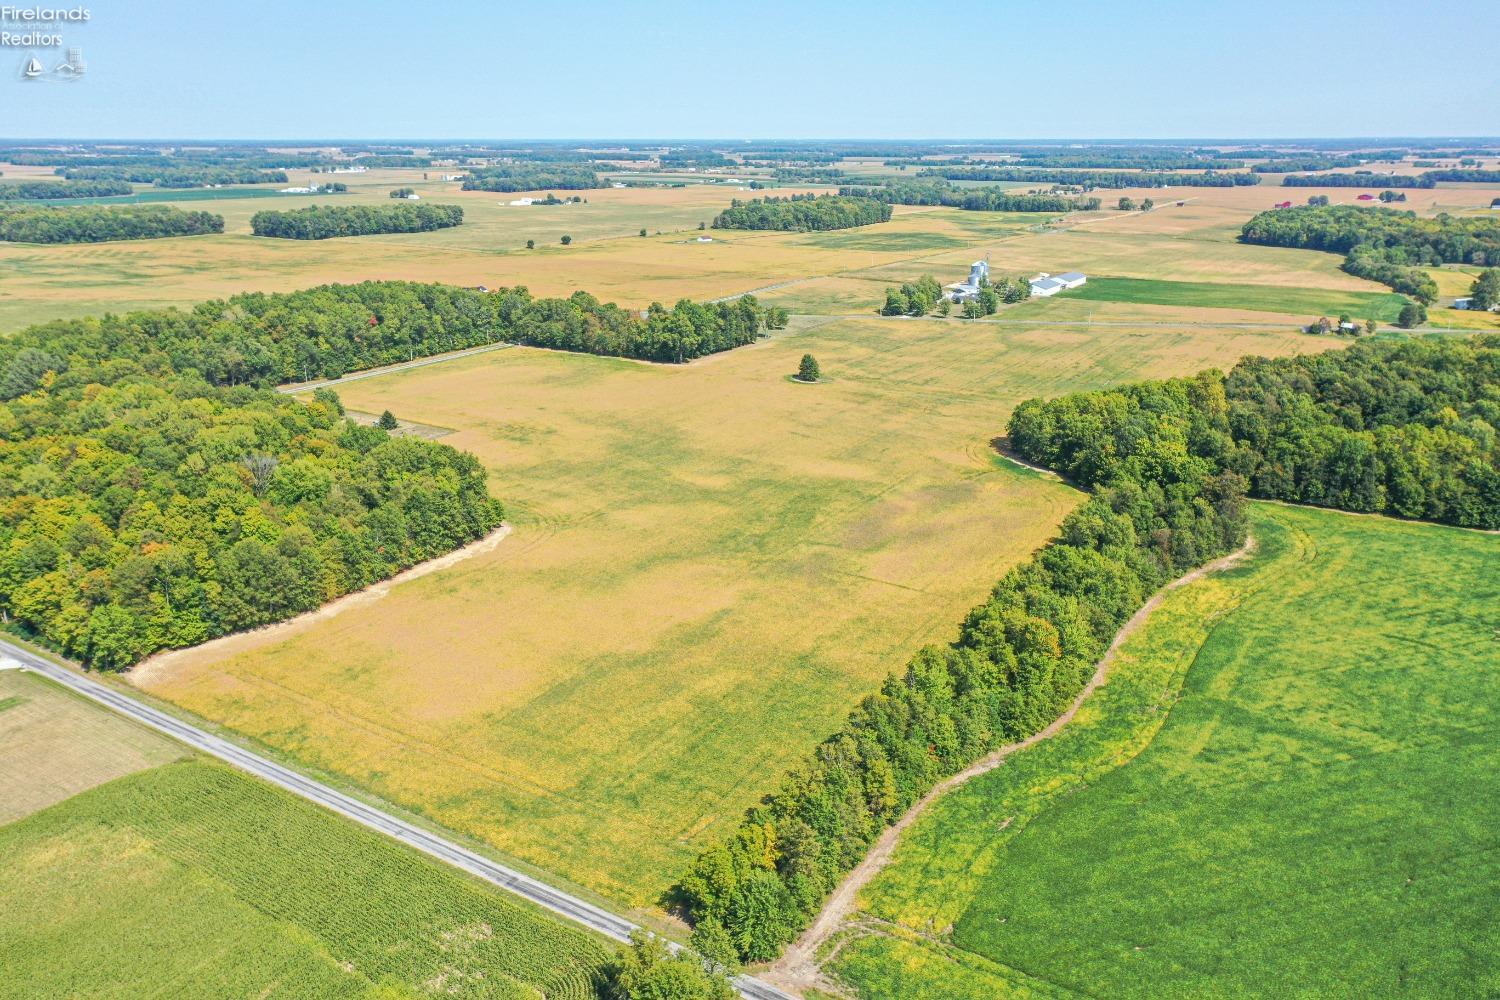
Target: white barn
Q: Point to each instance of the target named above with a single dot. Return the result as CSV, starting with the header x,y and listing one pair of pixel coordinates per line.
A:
x,y
1045,284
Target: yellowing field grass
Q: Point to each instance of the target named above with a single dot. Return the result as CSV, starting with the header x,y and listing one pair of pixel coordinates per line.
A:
x,y
710,564
1194,242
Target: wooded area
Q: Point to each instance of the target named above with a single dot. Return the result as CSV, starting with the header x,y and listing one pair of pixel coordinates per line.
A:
x,y
1088,179
802,213
973,199
1385,245
56,190
100,224
531,177
323,222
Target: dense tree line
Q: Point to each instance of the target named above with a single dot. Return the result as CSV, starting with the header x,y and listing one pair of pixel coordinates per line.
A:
x,y
808,175
694,158
1280,164
155,511
1406,428
1089,179
100,224
177,176
392,160
1135,159
191,158
528,177
57,190
263,339
1359,179
1020,658
973,199
803,213
321,222
1466,176
1382,244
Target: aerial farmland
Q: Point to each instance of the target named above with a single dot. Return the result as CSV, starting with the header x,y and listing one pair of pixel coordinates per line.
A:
x,y
693,568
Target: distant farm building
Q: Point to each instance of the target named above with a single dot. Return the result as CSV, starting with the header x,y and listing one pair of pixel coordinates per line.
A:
x,y
1283,204
1366,197
1045,284
968,289
524,201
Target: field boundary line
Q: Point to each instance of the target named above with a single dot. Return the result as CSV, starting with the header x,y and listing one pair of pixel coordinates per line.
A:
x,y
294,388
798,965
509,879
161,662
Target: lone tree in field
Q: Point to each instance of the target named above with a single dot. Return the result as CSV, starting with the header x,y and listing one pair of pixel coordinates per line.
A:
x,y
387,421
808,370
566,240
531,244
643,232
1412,314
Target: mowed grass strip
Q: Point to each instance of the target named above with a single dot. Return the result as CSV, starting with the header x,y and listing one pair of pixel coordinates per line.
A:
x,y
53,744
1311,819
1310,302
193,880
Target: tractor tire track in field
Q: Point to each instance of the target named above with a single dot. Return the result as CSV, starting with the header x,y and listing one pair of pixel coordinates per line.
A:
x,y
799,968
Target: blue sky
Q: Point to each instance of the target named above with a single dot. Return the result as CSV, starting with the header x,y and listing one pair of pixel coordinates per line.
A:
x,y
661,68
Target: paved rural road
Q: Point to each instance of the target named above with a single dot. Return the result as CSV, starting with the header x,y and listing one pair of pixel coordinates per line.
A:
x,y
509,879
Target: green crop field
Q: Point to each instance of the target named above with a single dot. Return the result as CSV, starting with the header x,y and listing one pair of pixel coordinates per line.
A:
x,y
1285,789
1311,302
193,880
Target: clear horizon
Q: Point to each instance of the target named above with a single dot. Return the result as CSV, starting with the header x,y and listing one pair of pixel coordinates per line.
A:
x,y
175,69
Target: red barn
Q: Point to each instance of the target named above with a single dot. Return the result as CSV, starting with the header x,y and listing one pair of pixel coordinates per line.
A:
x,y
1366,197
1283,204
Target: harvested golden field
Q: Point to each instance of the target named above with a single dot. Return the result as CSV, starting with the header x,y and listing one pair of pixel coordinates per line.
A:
x,y
1194,242
54,744
710,563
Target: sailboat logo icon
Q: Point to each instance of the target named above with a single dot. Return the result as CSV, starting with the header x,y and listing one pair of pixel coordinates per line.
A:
x,y
33,68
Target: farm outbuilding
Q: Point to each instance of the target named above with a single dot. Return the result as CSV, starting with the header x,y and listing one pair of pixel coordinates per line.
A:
x,y
1045,284
968,289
